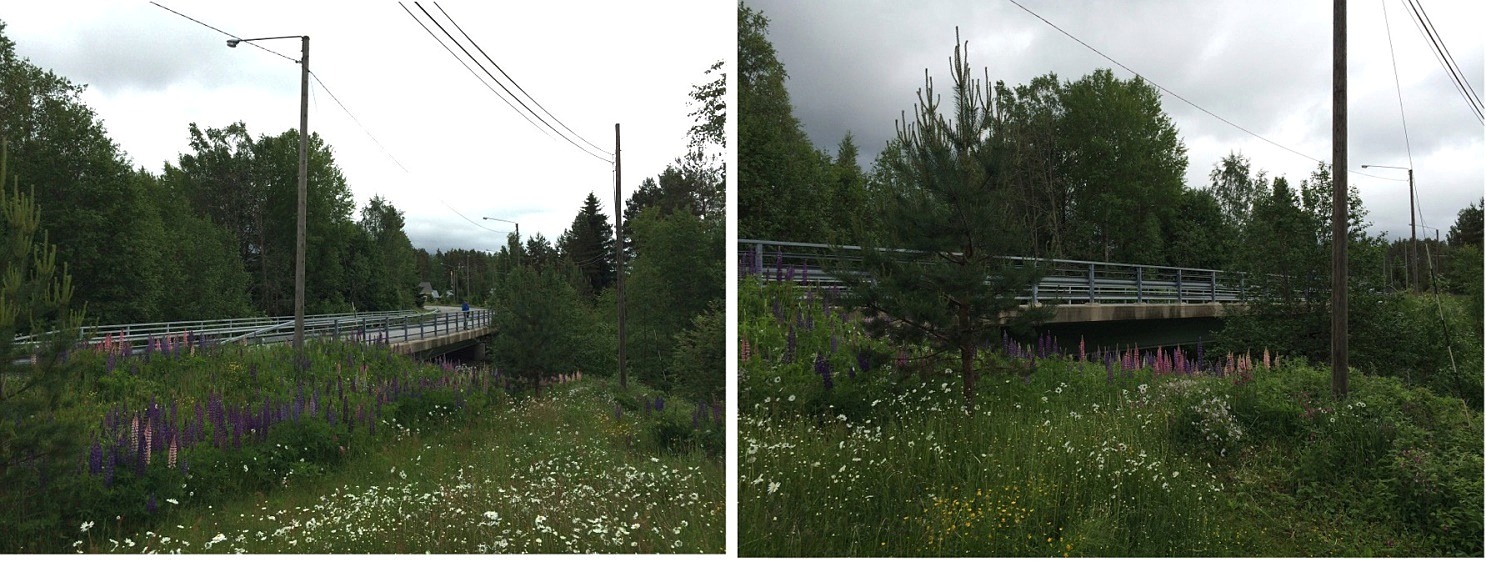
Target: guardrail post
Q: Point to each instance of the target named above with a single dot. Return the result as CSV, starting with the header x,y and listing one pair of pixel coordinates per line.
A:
x,y
1091,283
1034,292
1215,286
337,328
758,259
1178,286
1242,286
1139,284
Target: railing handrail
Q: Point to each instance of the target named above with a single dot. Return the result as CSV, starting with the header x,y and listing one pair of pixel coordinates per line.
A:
x,y
1069,281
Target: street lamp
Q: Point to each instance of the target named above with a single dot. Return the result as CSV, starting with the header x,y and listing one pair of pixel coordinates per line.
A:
x,y
518,225
518,233
304,145
1413,230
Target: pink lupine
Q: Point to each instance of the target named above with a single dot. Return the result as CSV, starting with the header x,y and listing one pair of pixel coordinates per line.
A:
x,y
171,455
149,438
1083,357
1266,358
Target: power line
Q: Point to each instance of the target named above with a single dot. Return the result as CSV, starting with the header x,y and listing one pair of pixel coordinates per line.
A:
x,y
357,121
467,219
502,85
472,71
1445,49
1178,96
1422,24
513,80
1399,87
208,26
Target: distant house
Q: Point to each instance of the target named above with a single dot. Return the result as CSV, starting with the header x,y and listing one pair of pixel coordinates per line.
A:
x,y
426,289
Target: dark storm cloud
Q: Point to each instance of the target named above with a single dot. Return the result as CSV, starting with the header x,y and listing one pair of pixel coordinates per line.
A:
x,y
1265,66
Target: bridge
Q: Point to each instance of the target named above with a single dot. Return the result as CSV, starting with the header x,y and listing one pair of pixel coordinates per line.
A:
x,y
1084,291
425,333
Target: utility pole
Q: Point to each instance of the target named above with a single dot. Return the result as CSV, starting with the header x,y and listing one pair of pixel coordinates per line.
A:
x,y
1413,231
1339,198
304,159
619,258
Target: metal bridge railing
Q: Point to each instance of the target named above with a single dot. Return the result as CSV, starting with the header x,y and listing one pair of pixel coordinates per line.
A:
x,y
388,326
1066,281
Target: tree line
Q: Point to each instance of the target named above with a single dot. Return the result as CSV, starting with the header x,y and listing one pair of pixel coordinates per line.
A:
x,y
212,236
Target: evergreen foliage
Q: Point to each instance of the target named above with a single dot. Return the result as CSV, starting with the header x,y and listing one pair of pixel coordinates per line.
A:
x,y
953,290
35,300
589,243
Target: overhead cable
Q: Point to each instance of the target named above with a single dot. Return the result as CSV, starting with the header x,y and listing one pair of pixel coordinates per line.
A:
x,y
1178,96
513,81
472,71
502,85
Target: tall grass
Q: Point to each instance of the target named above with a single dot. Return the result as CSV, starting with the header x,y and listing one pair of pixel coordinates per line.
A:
x,y
1127,455
359,437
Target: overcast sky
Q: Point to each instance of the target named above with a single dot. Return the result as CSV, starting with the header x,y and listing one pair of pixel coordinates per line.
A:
x,y
854,66
150,73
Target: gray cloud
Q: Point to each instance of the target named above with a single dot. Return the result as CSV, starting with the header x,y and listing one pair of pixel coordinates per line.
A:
x,y
1265,66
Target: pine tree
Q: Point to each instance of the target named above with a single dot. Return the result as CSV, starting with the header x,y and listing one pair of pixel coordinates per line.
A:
x,y
35,300
952,290
589,243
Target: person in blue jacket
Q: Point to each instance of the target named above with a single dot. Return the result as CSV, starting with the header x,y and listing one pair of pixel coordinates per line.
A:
x,y
466,308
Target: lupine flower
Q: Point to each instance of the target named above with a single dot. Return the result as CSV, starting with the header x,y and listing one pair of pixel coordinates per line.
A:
x,y
745,350
660,403
823,368
863,361
150,505
1083,356
95,459
171,455
789,347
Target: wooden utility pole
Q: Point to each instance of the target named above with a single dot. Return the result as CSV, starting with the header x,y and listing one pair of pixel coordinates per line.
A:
x,y
304,159
619,257
1339,198
1413,230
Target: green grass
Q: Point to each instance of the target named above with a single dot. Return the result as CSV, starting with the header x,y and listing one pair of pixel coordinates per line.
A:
x,y
1078,460
554,474
366,451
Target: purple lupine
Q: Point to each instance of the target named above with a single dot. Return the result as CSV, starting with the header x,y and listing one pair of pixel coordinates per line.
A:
x,y
696,417
660,403
823,368
863,361
108,363
717,413
150,505
95,458
108,474
789,345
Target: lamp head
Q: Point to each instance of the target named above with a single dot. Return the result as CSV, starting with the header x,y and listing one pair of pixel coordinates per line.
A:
x,y
233,42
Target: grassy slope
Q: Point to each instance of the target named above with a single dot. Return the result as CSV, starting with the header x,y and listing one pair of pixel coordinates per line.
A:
x,y
553,474
1072,461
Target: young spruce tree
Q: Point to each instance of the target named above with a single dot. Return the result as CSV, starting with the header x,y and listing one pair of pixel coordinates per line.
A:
x,y
945,281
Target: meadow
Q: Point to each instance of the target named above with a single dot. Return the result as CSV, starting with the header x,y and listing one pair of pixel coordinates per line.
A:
x,y
199,448
851,446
